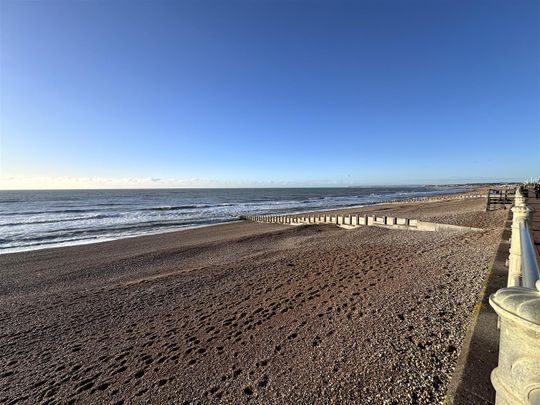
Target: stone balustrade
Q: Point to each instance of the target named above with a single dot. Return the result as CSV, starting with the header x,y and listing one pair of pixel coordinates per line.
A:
x,y
517,377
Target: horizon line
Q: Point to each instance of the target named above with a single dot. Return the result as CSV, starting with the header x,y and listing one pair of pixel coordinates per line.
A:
x,y
266,187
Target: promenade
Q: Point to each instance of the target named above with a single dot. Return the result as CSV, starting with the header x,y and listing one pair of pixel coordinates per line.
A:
x,y
483,350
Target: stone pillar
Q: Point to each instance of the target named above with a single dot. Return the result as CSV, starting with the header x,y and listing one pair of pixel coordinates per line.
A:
x,y
519,199
520,214
517,377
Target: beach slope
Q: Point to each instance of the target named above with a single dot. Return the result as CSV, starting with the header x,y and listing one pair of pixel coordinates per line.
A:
x,y
246,312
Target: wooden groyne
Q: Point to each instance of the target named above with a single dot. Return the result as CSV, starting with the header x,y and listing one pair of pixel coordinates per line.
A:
x,y
357,220
446,197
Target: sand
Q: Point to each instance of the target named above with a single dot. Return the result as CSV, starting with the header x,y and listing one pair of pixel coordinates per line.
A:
x,y
246,313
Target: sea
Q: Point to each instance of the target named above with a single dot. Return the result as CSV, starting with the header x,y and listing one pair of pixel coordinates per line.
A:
x,y
41,219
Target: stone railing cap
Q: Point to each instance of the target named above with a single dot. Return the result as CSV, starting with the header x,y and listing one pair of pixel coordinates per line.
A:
x,y
522,302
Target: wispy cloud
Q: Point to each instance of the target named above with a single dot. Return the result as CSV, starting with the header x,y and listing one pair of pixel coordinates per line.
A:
x,y
67,182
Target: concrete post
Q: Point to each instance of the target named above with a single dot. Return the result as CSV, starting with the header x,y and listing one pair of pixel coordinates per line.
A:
x,y
517,376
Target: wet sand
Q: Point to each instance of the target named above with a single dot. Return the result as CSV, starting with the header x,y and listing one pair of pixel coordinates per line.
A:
x,y
246,313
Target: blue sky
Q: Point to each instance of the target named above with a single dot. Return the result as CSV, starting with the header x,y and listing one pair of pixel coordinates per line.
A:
x,y
259,93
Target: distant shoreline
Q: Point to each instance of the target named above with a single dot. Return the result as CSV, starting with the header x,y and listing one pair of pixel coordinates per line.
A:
x,y
191,227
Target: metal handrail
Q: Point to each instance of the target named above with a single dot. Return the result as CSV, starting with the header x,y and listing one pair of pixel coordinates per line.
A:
x,y
530,272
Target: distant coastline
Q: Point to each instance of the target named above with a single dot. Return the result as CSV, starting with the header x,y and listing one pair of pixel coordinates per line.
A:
x,y
32,220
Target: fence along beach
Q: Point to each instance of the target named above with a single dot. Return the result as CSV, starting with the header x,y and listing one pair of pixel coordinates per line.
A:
x,y
249,311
